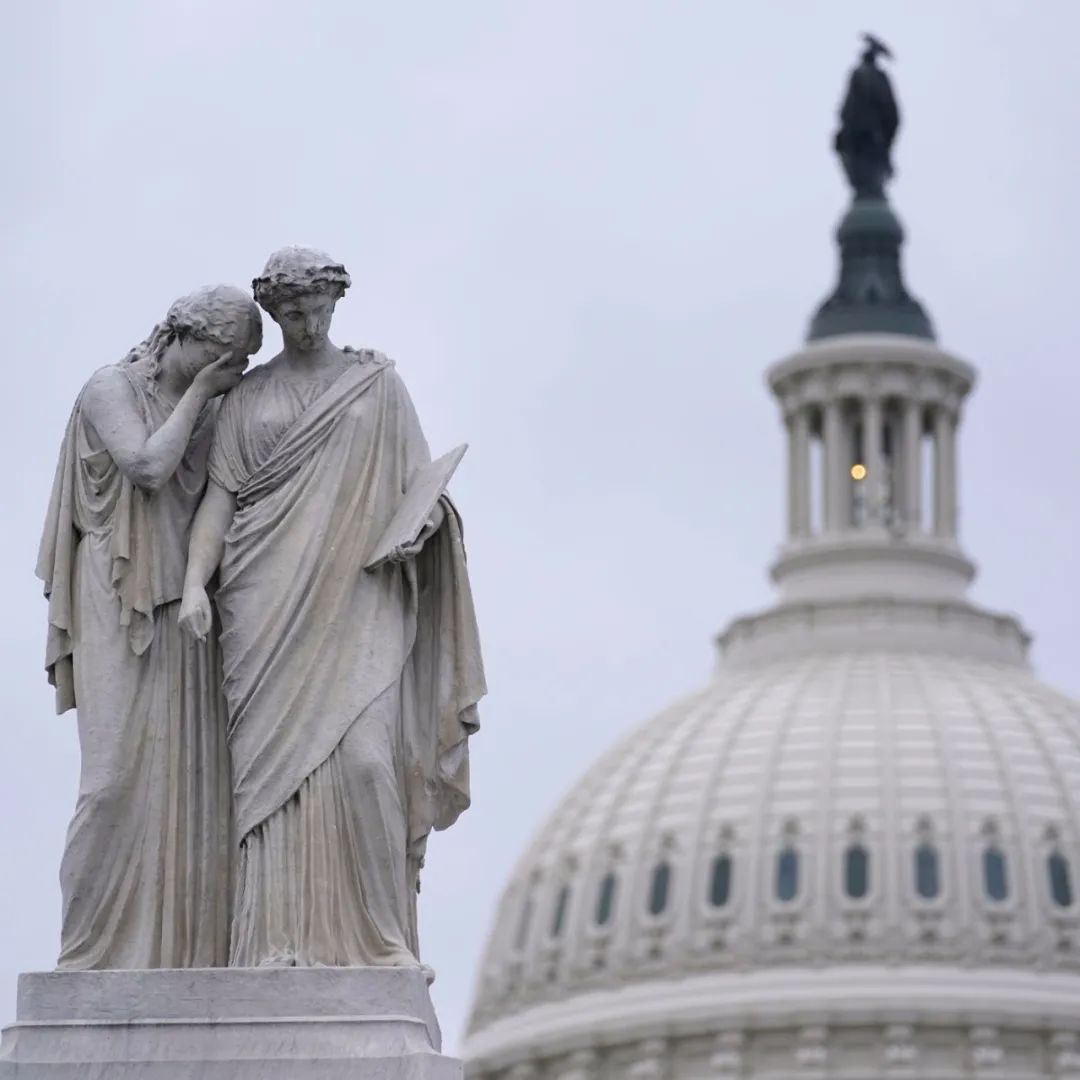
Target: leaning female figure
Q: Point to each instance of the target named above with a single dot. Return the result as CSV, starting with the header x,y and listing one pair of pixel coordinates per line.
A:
x,y
145,871
351,691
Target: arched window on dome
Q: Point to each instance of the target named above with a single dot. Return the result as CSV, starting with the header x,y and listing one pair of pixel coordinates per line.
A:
x,y
720,881
605,899
1057,867
787,874
995,874
856,871
558,916
659,888
927,871
521,937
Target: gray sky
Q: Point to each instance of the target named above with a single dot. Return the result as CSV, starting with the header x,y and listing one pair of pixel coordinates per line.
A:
x,y
582,229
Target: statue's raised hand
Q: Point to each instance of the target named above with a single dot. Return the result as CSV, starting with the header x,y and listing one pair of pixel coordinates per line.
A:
x,y
222,375
195,615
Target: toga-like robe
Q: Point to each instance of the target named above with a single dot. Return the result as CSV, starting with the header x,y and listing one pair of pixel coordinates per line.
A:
x,y
351,693
145,874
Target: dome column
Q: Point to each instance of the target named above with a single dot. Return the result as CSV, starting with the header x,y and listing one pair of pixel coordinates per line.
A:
x,y
944,472
798,425
836,443
912,465
874,459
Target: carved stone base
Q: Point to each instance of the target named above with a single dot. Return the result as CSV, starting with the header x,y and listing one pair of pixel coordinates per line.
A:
x,y
225,1024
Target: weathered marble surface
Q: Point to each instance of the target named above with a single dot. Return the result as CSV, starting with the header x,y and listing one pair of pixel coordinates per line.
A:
x,y
225,1024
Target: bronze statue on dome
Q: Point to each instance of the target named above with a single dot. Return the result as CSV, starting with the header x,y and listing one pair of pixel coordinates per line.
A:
x,y
869,119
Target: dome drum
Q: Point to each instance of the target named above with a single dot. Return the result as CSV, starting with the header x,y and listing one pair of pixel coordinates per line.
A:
x,y
869,624
844,1022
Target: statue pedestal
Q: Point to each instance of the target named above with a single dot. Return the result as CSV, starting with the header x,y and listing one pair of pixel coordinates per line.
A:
x,y
225,1024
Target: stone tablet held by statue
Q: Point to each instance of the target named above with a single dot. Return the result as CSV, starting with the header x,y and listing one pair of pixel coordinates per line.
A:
x,y
427,485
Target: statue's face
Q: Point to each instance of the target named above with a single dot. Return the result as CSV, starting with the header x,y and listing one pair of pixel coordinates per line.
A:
x,y
305,320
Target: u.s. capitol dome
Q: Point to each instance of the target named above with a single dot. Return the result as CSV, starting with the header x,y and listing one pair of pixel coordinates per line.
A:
x,y
856,851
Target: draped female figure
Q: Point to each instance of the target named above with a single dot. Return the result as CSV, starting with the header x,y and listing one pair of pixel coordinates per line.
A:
x,y
145,870
351,692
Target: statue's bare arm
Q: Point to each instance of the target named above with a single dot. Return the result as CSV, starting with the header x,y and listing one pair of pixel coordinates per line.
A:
x,y
148,461
212,521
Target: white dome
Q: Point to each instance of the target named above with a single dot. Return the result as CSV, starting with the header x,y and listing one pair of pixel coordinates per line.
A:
x,y
944,788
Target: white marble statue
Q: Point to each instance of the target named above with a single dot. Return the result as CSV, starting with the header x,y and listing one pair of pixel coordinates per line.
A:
x,y
351,692
145,870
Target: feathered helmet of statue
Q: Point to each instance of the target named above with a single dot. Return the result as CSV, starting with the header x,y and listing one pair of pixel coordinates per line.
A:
x,y
875,47
298,271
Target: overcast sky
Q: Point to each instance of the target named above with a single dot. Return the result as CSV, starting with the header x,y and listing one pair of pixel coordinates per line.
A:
x,y
583,229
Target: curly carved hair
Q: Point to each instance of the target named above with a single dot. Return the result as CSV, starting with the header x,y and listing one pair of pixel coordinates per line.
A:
x,y
222,314
297,271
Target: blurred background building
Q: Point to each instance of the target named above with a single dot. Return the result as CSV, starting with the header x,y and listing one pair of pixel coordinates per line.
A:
x,y
854,853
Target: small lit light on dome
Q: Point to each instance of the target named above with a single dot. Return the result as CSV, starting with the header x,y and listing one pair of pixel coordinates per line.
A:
x,y
858,472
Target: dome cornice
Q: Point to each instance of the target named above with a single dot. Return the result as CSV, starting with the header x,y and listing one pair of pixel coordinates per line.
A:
x,y
871,365
779,998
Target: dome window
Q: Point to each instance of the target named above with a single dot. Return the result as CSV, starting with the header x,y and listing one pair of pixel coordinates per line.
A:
x,y
927,872
787,875
658,891
605,900
558,919
720,882
524,924
857,871
995,874
1061,890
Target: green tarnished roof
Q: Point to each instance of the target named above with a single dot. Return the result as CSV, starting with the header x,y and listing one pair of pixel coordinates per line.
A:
x,y
870,296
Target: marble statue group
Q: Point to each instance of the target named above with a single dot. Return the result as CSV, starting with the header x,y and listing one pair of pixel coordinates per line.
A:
x,y
270,723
